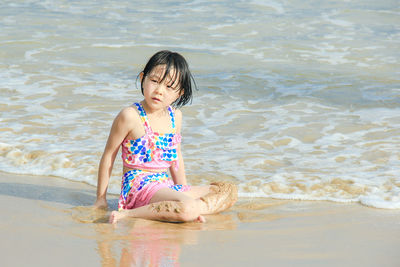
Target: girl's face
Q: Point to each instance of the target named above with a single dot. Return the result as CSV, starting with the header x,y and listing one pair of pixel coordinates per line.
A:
x,y
157,93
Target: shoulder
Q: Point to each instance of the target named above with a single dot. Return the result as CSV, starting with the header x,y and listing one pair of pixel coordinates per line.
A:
x,y
178,119
178,114
128,115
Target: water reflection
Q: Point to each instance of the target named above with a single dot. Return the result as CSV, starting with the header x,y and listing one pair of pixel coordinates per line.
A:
x,y
150,243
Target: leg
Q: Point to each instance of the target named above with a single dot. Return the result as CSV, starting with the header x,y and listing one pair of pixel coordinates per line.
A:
x,y
167,211
221,197
168,194
211,199
197,192
166,205
214,198
172,206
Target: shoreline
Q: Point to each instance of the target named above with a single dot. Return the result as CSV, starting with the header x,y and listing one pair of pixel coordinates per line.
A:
x,y
49,221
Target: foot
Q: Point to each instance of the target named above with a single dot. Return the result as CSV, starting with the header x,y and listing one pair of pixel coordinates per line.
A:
x,y
200,219
115,216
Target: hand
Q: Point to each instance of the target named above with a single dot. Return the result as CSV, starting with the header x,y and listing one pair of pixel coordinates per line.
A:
x,y
101,203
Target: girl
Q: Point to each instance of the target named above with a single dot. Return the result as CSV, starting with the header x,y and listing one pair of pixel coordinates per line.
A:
x,y
149,134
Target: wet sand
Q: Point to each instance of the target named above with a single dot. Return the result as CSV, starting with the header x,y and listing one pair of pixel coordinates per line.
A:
x,y
47,221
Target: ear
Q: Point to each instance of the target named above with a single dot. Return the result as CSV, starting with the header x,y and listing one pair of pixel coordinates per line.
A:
x,y
141,76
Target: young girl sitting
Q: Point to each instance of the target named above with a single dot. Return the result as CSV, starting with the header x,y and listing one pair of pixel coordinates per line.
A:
x,y
149,134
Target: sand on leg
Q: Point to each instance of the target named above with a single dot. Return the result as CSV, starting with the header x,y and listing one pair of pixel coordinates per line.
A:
x,y
221,196
168,211
173,206
215,198
166,205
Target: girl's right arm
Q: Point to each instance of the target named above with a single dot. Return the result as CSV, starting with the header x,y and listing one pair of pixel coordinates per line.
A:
x,y
119,130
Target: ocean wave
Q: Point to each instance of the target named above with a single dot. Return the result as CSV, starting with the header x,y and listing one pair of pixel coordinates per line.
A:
x,y
292,104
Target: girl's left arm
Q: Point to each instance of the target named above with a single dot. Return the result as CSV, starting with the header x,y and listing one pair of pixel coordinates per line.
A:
x,y
178,175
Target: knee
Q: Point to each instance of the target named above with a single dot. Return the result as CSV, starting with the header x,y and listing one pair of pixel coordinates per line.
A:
x,y
225,188
187,211
176,211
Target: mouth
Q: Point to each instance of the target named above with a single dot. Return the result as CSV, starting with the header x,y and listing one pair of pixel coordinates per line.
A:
x,y
156,99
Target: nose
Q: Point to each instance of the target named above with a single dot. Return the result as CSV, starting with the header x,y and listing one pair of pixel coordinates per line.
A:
x,y
160,88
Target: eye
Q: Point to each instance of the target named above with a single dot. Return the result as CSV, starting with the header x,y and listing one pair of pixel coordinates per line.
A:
x,y
173,86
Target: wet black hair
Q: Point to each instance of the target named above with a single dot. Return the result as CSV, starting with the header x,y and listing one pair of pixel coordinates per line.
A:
x,y
176,63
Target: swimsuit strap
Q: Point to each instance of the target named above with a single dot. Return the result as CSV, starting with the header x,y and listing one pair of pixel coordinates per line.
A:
x,y
172,115
143,117
145,120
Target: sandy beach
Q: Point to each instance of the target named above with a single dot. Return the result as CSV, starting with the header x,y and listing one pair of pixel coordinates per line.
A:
x,y
48,221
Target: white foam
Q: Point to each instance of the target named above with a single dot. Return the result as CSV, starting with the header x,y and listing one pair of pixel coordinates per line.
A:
x,y
376,202
277,6
219,26
125,45
337,22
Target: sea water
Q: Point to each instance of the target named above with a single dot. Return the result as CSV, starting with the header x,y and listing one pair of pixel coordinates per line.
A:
x,y
296,99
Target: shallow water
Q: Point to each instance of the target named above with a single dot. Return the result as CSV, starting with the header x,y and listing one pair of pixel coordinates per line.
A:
x,y
296,100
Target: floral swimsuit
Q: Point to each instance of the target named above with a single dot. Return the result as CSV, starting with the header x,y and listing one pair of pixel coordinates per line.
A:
x,y
149,157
